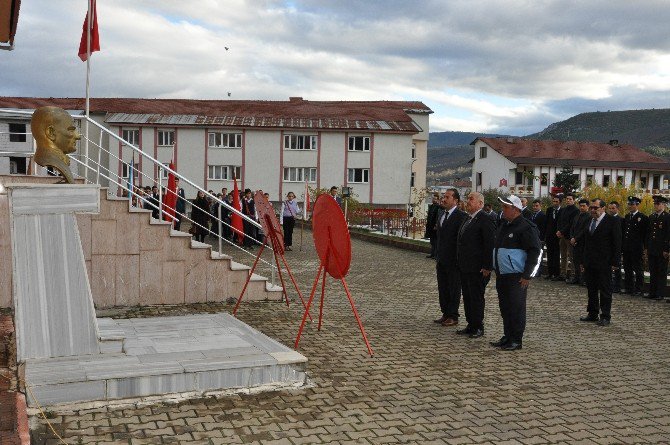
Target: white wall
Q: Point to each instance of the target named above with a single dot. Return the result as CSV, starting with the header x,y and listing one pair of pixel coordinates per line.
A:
x,y
494,168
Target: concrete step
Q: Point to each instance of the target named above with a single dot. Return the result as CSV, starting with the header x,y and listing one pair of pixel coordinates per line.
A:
x,y
164,356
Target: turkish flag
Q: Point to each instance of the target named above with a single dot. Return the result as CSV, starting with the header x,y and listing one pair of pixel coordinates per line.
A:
x,y
235,218
95,38
503,182
170,200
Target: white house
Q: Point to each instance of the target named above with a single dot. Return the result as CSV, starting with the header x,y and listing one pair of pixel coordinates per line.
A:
x,y
528,167
378,148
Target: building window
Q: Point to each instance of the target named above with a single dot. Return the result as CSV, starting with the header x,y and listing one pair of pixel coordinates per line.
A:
x,y
412,179
620,180
482,152
17,132
299,142
478,179
544,178
589,180
299,174
18,166
606,180
643,182
125,170
225,140
165,138
413,151
656,182
358,175
359,143
518,178
224,172
131,137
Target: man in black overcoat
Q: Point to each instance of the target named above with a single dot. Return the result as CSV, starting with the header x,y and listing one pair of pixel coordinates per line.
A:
x,y
635,229
602,250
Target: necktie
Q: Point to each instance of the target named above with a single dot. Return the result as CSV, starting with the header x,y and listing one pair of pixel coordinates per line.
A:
x,y
593,226
465,224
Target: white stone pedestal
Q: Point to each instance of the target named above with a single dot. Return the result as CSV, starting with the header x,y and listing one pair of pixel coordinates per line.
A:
x,y
53,305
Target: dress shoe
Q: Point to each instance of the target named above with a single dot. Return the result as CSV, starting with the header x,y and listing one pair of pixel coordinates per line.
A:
x,y
430,256
450,322
603,322
466,331
657,298
511,346
589,318
573,281
476,333
500,343
558,278
440,320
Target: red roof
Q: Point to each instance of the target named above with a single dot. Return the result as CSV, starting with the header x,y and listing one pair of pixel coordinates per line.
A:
x,y
295,113
575,153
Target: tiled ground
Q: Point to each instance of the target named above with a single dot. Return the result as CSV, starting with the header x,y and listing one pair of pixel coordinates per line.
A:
x,y
572,383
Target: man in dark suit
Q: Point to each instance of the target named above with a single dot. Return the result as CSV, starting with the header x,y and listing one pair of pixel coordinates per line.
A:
x,y
448,276
568,214
525,211
249,209
154,202
602,250
475,262
539,218
577,233
551,240
658,248
431,224
635,229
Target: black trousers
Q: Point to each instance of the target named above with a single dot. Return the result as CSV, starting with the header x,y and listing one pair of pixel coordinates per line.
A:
x,y
599,285
473,286
449,290
289,224
433,243
250,232
658,275
632,267
512,302
577,256
177,221
553,257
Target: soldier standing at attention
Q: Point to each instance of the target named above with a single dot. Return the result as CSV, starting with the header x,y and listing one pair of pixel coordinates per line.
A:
x,y
635,228
658,248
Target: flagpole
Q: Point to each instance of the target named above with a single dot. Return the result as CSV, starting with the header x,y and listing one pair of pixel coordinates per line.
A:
x,y
88,75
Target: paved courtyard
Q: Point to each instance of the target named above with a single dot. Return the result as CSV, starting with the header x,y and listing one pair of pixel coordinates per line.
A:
x,y
572,383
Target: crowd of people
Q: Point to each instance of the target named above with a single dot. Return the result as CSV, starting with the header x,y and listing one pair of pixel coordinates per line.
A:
x,y
586,242
204,216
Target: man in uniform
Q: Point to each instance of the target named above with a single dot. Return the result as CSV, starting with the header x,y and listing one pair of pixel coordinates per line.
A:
x,y
635,229
602,253
658,248
517,256
553,248
613,209
577,232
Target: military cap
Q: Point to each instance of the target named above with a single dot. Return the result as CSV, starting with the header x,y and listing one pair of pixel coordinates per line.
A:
x,y
634,200
658,199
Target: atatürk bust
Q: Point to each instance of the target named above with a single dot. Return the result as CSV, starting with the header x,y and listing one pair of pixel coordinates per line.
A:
x,y
56,135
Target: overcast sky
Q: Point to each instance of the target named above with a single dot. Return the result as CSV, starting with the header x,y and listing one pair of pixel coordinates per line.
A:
x,y
505,66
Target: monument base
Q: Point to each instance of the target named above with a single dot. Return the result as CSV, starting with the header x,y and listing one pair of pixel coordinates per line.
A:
x,y
164,356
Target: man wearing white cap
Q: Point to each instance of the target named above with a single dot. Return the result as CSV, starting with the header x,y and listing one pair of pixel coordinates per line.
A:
x,y
516,259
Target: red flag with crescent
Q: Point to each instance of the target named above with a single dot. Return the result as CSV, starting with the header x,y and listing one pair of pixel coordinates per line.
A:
x,y
236,219
170,201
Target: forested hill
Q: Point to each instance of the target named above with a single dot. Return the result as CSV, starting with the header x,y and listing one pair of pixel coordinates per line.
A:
x,y
454,138
642,128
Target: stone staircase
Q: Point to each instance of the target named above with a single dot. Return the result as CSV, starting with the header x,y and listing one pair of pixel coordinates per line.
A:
x,y
133,259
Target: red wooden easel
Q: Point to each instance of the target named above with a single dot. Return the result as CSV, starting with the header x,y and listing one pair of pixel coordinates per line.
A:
x,y
333,244
270,225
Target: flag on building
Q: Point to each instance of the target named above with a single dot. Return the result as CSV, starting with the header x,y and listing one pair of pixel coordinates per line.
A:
x,y
170,201
305,207
235,218
503,182
95,38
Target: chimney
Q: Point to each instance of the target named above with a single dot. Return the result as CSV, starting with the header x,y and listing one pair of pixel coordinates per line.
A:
x,y
614,142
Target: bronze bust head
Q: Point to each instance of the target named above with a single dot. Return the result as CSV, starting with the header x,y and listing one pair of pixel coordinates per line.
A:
x,y
56,135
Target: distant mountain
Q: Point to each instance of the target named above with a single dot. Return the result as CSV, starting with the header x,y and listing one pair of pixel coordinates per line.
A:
x,y
642,128
449,151
452,138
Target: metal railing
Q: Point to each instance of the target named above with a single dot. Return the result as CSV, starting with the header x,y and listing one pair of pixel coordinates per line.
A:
x,y
95,169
